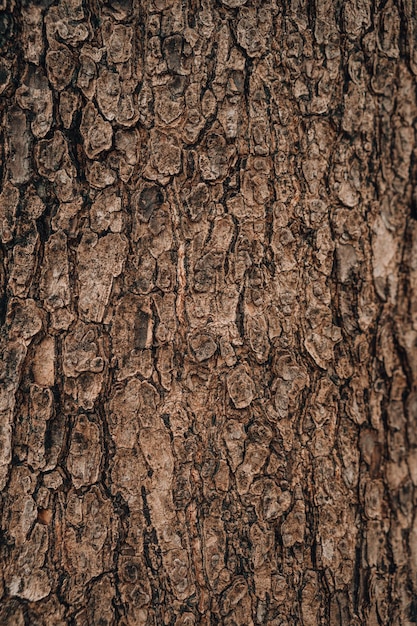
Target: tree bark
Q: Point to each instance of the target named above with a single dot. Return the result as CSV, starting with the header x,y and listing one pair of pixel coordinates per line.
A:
x,y
209,314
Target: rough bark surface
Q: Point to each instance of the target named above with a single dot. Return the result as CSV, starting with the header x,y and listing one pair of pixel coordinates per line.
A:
x,y
208,386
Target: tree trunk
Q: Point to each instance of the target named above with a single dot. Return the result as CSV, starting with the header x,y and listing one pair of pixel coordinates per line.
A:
x,y
209,316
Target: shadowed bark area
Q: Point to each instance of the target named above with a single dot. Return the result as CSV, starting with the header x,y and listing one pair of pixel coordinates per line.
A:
x,y
208,383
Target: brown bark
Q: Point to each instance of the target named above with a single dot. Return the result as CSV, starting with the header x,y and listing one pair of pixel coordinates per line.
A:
x,y
208,386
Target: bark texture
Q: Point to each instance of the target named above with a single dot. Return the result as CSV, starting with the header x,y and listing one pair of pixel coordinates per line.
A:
x,y
208,387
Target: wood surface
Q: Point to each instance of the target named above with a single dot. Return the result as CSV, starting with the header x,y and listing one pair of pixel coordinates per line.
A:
x,y
208,271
